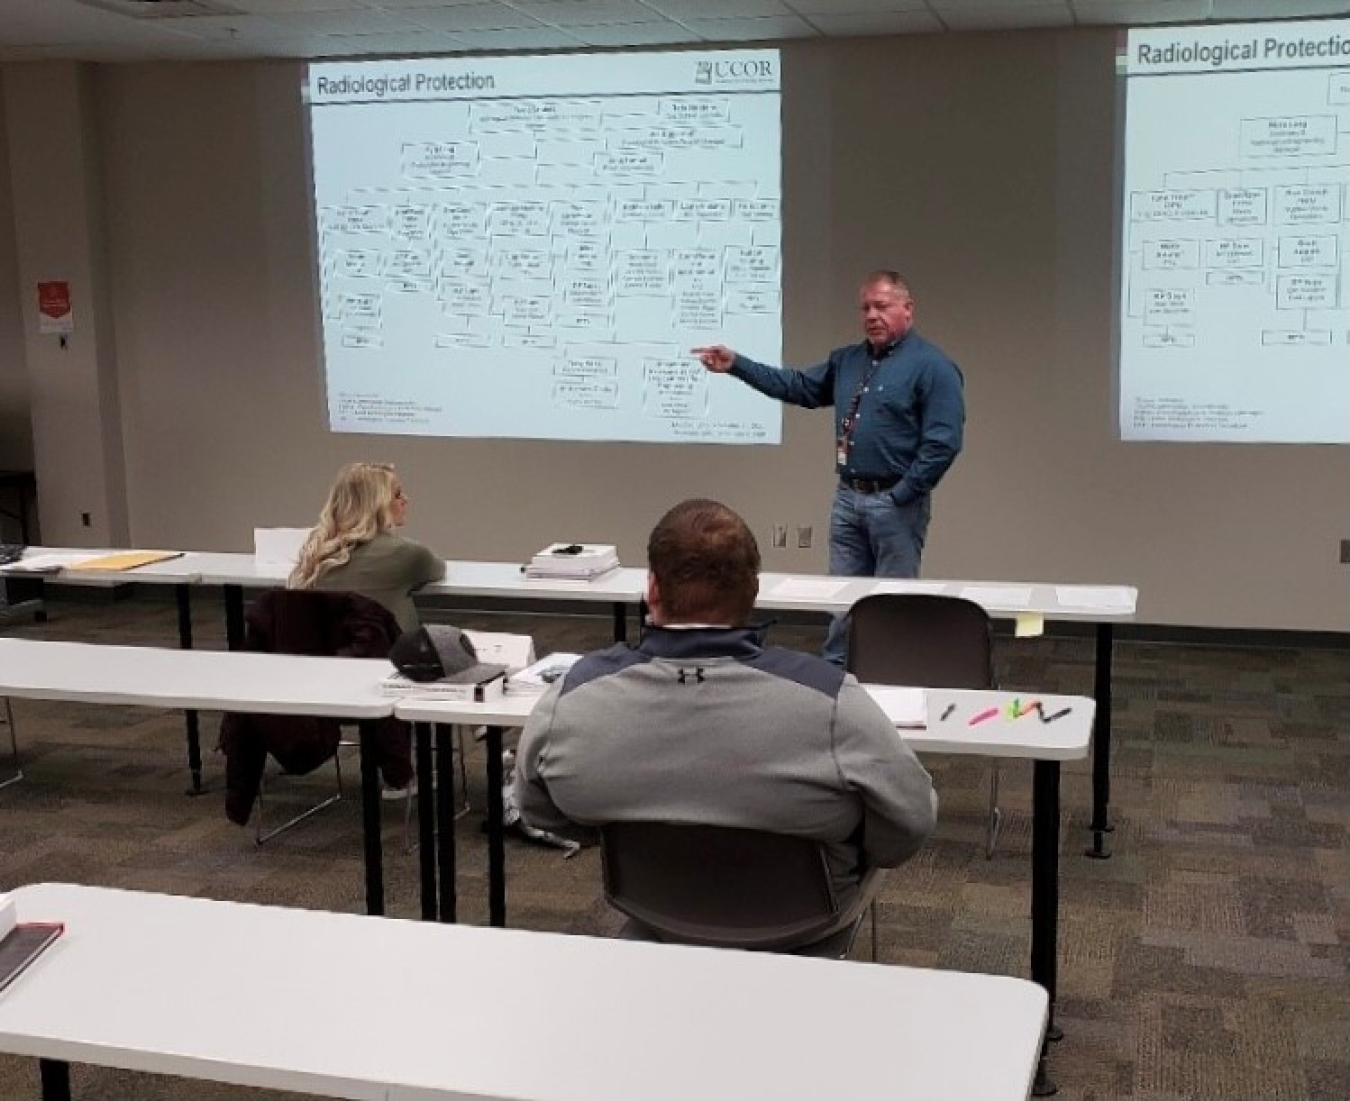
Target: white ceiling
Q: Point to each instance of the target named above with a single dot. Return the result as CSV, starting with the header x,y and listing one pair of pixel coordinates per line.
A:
x,y
139,30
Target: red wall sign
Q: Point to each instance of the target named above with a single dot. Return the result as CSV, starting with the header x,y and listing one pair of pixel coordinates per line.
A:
x,y
54,314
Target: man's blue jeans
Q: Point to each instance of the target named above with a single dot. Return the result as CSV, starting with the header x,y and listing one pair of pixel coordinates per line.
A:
x,y
872,536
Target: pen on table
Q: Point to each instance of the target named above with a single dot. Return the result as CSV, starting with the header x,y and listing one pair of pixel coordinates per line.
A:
x,y
1034,705
989,714
947,713
1057,715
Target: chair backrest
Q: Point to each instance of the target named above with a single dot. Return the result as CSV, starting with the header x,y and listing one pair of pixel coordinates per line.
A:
x,y
921,639
718,885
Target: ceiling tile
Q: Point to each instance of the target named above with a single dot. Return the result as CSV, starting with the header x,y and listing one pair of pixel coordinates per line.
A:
x,y
268,7
903,22
987,16
117,29
407,4
585,13
470,17
357,21
636,34
1265,9
232,28
856,7
1126,12
385,45
718,9
410,42
537,37
752,30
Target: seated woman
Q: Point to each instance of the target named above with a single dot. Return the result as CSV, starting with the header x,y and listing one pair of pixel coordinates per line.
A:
x,y
354,547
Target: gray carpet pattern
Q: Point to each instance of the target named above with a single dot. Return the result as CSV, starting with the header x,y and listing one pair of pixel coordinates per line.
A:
x,y
1206,959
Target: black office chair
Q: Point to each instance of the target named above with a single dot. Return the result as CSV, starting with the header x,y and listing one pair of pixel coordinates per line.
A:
x,y
730,888
926,641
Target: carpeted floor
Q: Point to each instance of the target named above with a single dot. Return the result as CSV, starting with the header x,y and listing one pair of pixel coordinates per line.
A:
x,y
1206,959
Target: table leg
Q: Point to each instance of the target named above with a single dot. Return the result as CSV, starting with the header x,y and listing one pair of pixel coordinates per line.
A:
x,y
1045,901
183,597
445,818
496,830
426,819
1101,742
234,617
620,622
55,1077
24,503
370,821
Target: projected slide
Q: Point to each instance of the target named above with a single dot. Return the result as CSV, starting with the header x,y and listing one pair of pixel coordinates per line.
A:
x,y
1234,234
528,247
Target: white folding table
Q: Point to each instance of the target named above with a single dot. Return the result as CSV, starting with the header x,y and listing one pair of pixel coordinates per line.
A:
x,y
1101,605
342,1006
216,680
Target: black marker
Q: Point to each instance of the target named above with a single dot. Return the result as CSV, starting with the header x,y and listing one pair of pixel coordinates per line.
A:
x,y
947,714
1057,715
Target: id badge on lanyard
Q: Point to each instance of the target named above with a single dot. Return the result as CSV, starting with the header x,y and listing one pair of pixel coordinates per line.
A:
x,y
850,422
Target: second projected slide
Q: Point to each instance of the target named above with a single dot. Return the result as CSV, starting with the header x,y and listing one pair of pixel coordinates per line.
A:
x,y
1234,317
528,247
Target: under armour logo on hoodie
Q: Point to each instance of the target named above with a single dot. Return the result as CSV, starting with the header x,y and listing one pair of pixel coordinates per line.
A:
x,y
697,674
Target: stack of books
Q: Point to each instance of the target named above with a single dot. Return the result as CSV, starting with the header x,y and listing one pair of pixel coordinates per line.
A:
x,y
492,688
572,562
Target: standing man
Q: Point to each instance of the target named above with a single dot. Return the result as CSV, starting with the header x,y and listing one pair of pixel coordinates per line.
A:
x,y
702,723
899,412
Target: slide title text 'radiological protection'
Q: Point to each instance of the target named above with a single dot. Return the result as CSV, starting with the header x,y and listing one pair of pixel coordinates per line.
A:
x,y
381,87
1219,55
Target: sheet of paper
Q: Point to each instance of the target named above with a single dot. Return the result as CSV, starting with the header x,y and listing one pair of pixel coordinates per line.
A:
x,y
500,648
49,563
804,588
544,671
1116,597
278,546
998,596
903,706
899,585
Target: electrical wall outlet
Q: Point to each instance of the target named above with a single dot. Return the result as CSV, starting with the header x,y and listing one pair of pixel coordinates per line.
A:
x,y
1345,552
84,519
803,536
780,535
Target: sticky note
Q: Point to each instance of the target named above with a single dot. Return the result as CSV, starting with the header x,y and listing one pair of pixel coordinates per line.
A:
x,y
1029,625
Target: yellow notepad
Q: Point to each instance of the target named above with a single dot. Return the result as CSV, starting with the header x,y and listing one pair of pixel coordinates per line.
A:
x,y
127,560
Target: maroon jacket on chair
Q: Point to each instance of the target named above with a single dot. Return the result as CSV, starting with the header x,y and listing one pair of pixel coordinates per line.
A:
x,y
320,624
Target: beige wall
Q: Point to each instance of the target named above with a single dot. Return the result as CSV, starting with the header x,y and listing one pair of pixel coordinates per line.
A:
x,y
56,176
981,165
16,435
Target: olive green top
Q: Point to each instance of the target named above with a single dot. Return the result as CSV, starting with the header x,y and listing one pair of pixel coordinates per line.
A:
x,y
387,569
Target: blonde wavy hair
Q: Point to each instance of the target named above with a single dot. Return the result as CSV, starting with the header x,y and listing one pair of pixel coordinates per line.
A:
x,y
359,507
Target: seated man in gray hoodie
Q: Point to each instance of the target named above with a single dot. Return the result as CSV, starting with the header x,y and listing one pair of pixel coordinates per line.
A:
x,y
703,723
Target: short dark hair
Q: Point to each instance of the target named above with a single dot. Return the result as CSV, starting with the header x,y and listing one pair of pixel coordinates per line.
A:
x,y
706,563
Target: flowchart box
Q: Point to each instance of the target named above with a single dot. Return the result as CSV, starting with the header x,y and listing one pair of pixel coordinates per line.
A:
x,y
1171,255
